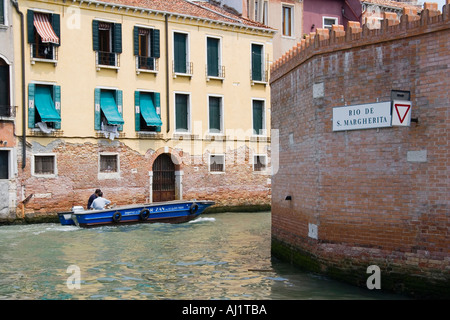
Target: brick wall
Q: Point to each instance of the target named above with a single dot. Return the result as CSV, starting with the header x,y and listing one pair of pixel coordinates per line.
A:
x,y
377,196
78,167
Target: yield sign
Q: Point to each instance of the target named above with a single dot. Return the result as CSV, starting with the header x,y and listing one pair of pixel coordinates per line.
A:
x,y
401,113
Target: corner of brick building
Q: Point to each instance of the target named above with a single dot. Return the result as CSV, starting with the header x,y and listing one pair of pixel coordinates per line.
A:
x,y
371,199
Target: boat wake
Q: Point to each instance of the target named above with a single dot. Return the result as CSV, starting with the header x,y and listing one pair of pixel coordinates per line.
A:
x,y
202,219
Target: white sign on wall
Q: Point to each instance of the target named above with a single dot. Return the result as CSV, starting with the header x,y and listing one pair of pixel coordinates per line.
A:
x,y
362,116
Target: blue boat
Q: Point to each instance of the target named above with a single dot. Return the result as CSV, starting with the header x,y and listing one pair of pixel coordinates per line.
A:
x,y
177,211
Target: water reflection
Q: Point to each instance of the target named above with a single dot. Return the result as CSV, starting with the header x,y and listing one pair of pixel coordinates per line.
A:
x,y
220,256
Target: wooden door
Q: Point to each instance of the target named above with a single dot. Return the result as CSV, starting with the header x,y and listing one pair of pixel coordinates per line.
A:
x,y
163,179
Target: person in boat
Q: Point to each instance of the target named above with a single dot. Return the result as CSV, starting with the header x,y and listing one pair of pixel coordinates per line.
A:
x,y
99,203
92,198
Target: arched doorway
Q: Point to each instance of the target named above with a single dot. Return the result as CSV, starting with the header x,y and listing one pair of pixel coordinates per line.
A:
x,y
163,178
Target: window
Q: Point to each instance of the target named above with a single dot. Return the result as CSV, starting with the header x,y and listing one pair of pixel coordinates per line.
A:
x,y
109,163
44,164
216,163
258,117
261,11
181,64
108,111
215,114
147,111
108,166
2,12
4,164
181,112
257,72
146,48
329,21
107,42
259,162
213,63
265,19
44,107
43,35
287,21
5,106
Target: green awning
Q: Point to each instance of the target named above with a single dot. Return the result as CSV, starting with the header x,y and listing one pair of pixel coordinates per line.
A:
x,y
109,108
45,106
148,111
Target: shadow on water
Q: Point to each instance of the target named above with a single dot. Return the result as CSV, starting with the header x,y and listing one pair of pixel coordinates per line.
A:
x,y
218,256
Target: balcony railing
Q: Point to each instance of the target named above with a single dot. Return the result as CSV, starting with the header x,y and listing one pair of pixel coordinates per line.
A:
x,y
107,60
44,52
220,74
7,111
187,70
146,64
261,76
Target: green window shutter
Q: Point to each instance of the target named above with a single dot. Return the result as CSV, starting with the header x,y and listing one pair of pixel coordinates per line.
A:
x,y
30,25
157,101
137,111
257,62
2,12
117,47
155,39
258,109
57,101
212,47
97,112
214,114
119,102
180,47
4,86
31,105
181,112
56,25
136,40
95,39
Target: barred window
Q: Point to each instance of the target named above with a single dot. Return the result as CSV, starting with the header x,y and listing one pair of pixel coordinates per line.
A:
x,y
217,163
44,164
259,163
108,163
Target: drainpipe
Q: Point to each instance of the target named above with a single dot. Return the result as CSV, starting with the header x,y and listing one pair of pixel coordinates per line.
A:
x,y
166,25
22,49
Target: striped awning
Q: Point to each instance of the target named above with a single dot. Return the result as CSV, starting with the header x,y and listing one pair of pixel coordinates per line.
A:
x,y
44,28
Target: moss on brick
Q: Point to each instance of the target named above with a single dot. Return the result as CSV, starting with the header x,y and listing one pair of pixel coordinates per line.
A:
x,y
238,208
31,219
297,257
401,281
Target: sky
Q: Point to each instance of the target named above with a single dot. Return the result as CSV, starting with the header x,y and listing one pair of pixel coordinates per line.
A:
x,y
439,2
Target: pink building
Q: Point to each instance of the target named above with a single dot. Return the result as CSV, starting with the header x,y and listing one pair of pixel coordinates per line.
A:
x,y
325,13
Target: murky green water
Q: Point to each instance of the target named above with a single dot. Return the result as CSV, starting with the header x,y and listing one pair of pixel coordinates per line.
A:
x,y
219,256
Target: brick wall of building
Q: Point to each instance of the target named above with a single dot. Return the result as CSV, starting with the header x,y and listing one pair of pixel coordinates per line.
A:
x,y
77,176
376,196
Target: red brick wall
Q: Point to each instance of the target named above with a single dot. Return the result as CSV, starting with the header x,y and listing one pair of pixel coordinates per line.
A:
x,y
7,134
372,203
77,178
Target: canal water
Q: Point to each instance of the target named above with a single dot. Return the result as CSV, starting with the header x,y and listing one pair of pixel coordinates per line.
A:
x,y
217,256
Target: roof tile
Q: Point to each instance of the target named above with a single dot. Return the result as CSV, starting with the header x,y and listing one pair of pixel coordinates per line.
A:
x,y
198,9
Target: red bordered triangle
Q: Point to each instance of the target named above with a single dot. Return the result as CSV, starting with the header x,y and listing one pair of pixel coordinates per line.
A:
x,y
402,111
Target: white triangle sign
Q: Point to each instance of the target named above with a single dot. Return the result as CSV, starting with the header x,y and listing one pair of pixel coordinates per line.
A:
x,y
401,113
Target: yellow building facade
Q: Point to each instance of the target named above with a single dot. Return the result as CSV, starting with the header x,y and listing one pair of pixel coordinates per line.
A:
x,y
167,100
